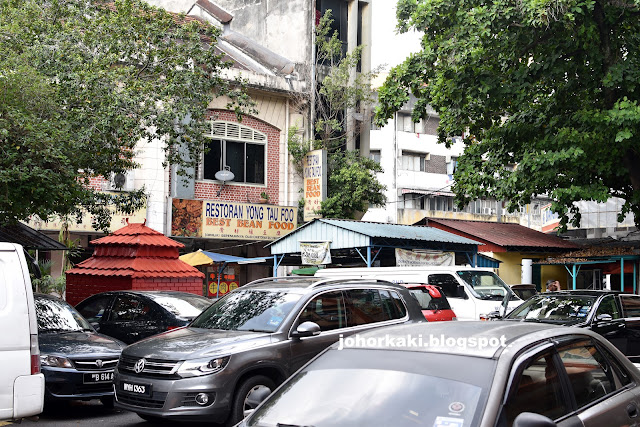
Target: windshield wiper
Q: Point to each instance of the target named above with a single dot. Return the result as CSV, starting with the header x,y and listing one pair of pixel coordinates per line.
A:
x,y
292,425
256,330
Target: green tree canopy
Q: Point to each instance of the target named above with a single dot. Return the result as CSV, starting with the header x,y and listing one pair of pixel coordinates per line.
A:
x,y
550,86
81,84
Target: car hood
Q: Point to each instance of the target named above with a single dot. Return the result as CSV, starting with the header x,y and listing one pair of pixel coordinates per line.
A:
x,y
193,343
78,344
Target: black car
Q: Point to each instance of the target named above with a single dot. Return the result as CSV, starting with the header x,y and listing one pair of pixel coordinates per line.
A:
x,y
614,315
133,315
76,361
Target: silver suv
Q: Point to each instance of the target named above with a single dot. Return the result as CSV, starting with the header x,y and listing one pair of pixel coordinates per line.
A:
x,y
237,351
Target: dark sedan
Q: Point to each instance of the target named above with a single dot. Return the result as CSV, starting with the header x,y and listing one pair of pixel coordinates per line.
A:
x,y
133,315
76,361
614,315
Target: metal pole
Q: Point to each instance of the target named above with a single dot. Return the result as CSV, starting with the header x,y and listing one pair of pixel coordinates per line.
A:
x,y
275,265
634,277
573,276
622,274
368,256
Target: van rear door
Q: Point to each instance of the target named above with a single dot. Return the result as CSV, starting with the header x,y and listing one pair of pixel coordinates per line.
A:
x,y
21,383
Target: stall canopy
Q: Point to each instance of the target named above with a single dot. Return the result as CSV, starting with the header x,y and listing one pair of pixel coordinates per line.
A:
x,y
369,237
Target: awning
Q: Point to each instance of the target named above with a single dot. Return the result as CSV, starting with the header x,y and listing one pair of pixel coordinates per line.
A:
x,y
201,257
305,271
429,192
29,238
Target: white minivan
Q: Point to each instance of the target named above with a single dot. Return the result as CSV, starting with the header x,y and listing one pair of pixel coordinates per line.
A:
x,y
473,293
21,382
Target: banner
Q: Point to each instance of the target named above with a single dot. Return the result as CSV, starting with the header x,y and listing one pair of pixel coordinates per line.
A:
x,y
315,182
118,220
406,258
550,219
230,220
315,253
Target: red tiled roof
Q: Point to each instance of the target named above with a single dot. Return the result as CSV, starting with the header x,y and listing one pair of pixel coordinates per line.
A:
x,y
137,235
135,267
505,234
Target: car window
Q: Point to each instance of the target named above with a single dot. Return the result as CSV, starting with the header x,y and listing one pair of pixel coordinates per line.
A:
x,y
630,305
608,306
538,390
589,372
128,308
364,306
55,315
560,309
397,300
185,306
327,310
447,282
95,308
390,306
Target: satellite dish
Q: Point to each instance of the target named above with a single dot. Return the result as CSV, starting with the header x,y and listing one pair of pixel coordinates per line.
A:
x,y
225,175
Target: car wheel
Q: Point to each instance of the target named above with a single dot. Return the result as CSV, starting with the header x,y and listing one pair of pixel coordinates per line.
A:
x,y
107,401
249,395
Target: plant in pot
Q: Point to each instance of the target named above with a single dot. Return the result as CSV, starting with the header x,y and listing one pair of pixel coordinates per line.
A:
x,y
264,197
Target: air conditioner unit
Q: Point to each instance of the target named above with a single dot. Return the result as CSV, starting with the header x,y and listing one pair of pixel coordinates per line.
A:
x,y
486,211
120,182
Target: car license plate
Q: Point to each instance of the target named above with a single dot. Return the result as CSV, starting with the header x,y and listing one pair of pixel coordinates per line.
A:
x,y
139,389
98,377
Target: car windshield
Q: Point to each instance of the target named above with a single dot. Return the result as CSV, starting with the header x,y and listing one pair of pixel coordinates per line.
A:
x,y
248,310
361,388
563,309
185,306
58,316
485,284
427,302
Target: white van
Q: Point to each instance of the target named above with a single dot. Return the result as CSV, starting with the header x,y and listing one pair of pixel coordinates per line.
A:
x,y
473,293
21,382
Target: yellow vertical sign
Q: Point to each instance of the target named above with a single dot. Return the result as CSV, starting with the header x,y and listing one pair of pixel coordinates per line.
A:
x,y
315,183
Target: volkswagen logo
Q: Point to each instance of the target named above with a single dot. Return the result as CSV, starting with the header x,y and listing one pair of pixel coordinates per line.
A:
x,y
139,366
99,363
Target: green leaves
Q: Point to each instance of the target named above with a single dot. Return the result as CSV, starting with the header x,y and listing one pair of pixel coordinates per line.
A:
x,y
549,86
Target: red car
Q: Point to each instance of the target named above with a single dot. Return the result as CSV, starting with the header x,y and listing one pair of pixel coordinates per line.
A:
x,y
432,300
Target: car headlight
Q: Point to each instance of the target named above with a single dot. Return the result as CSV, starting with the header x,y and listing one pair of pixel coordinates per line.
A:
x,y
194,368
55,361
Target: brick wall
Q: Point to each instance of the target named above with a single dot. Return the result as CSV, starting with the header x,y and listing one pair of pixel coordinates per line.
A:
x,y
192,285
247,193
436,164
81,286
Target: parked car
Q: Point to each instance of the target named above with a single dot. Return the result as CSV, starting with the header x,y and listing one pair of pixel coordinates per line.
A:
x,y
472,292
432,300
614,315
133,315
77,362
532,375
248,342
524,291
21,382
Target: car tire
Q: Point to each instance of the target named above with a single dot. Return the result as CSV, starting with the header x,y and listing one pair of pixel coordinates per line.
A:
x,y
243,404
107,402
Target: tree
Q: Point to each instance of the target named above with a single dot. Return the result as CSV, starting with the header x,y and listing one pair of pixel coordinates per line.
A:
x,y
81,84
352,183
549,86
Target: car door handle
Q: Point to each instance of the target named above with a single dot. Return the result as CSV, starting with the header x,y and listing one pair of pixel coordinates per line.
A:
x,y
632,410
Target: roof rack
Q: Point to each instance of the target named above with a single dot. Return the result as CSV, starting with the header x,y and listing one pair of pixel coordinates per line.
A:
x,y
347,280
283,278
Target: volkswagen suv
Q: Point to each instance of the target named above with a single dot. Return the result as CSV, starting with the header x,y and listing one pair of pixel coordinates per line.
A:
x,y
237,351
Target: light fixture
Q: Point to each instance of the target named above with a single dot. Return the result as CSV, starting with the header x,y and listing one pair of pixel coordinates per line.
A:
x,y
224,175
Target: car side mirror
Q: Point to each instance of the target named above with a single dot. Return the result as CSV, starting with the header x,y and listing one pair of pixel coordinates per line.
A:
x,y
494,315
603,317
306,329
460,292
529,419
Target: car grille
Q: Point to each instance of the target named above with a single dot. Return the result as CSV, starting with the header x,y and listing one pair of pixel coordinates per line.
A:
x,y
95,364
155,402
153,368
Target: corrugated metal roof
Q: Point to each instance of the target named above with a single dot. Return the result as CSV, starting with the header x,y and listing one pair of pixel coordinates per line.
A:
x,y
29,238
137,235
505,234
356,234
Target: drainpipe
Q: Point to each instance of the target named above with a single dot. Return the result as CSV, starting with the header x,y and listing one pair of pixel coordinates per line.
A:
x,y
286,154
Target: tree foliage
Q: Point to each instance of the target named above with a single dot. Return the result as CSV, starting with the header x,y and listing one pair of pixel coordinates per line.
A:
x,y
352,183
82,83
551,86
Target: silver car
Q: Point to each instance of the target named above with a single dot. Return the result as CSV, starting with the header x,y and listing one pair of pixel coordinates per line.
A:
x,y
238,350
460,374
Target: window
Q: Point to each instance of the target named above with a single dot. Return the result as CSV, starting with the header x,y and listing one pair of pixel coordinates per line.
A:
x,y
95,308
404,123
414,161
447,282
631,306
590,374
365,306
608,306
127,308
239,147
538,390
375,155
452,165
327,310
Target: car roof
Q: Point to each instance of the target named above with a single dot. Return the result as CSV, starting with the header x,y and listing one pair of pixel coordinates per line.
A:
x,y
311,284
587,292
515,336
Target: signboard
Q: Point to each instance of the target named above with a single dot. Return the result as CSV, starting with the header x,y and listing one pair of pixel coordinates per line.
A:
x,y
315,182
406,258
230,220
550,219
315,253
118,220
228,282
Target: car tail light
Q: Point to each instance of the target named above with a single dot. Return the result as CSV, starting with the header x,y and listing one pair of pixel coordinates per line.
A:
x,y
35,355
